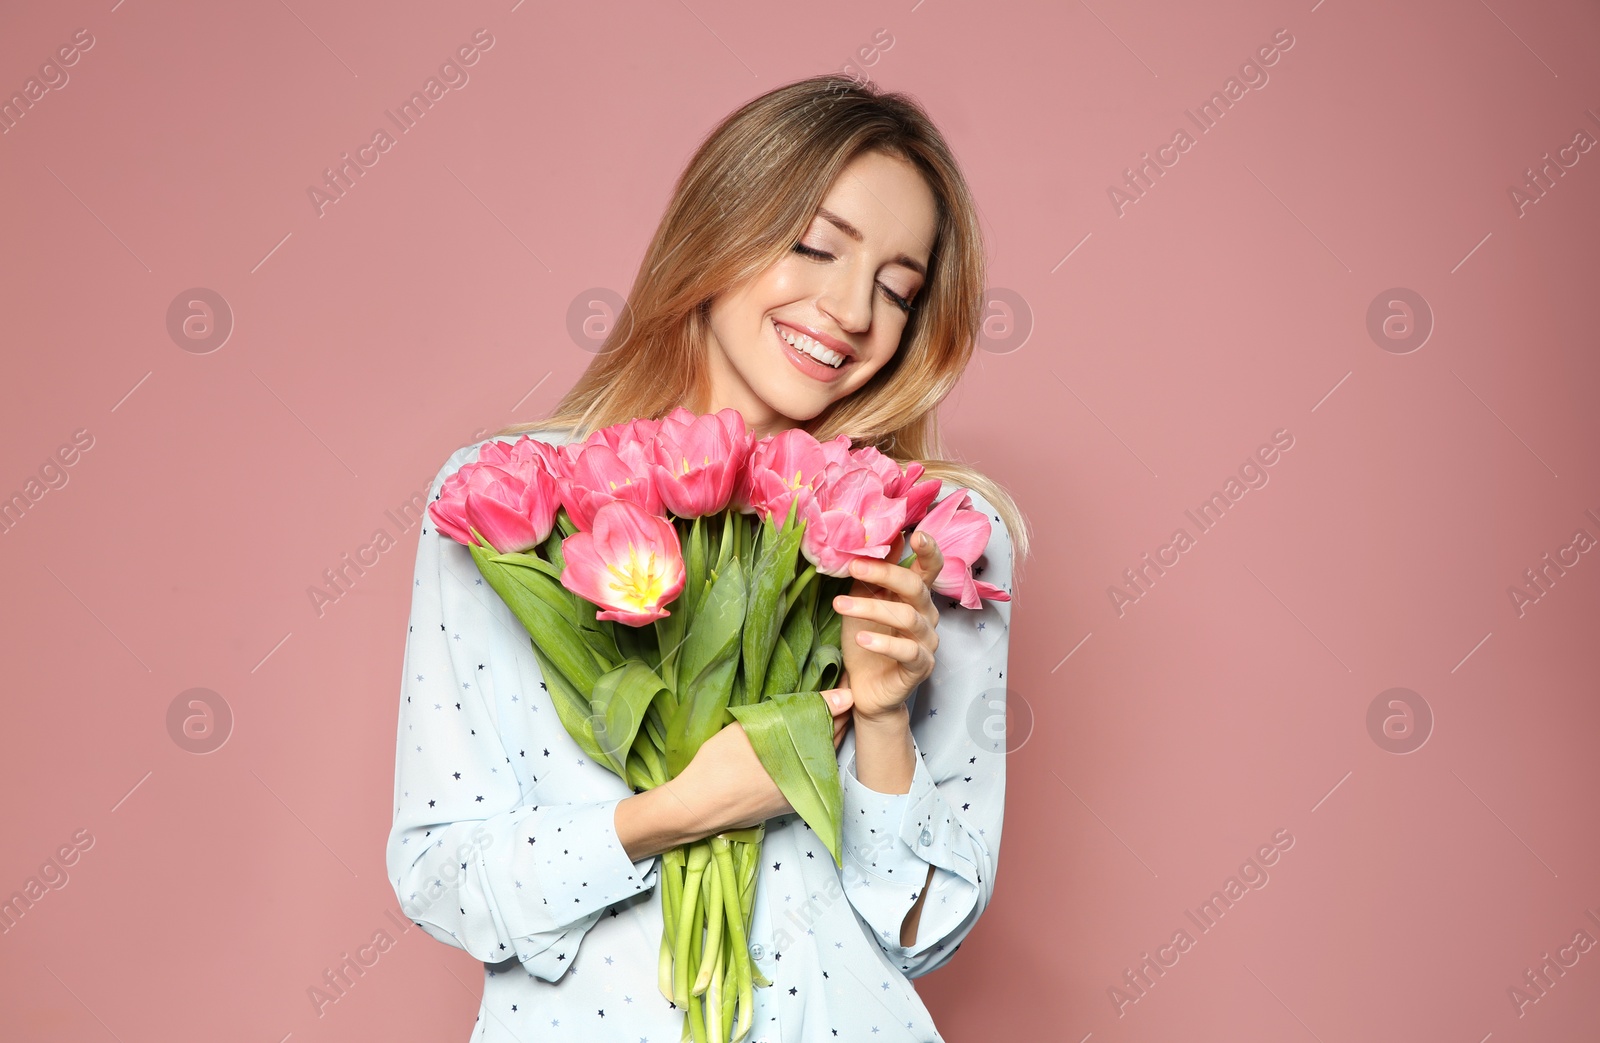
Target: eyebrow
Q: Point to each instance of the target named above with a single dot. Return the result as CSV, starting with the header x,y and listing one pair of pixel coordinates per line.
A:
x,y
855,233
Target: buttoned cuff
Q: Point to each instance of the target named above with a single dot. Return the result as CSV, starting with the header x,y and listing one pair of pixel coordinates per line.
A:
x,y
894,836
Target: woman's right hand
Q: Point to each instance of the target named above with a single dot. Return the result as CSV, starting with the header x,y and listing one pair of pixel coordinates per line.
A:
x,y
726,778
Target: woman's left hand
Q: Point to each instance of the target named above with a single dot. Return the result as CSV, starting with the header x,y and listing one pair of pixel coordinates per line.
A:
x,y
887,627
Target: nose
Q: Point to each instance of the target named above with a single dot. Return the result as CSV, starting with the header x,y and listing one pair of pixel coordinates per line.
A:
x,y
847,299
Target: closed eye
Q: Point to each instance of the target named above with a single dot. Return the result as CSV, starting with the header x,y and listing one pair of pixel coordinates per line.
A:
x,y
904,304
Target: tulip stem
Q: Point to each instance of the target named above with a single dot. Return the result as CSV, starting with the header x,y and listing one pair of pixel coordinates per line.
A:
x,y
669,635
713,951
716,1021
664,967
688,929
672,865
797,588
723,857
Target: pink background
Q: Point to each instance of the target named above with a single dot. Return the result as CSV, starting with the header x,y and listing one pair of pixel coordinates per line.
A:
x,y
1155,749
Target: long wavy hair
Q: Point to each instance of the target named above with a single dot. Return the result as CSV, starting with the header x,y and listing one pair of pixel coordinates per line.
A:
x,y
746,197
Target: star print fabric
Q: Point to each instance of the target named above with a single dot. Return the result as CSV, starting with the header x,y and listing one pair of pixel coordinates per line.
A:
x,y
504,840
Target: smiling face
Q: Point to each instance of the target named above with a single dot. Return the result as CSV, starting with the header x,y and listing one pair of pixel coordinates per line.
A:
x,y
867,245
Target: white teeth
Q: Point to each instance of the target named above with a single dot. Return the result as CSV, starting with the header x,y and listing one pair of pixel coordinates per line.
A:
x,y
803,343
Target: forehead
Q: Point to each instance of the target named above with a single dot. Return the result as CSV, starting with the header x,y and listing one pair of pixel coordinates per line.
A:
x,y
888,201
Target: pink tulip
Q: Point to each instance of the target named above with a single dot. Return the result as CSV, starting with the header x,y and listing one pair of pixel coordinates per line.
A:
x,y
850,517
630,564
898,483
633,432
507,495
783,468
520,457
598,473
698,459
962,535
630,432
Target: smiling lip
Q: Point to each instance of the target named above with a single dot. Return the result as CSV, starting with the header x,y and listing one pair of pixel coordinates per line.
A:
x,y
806,364
821,338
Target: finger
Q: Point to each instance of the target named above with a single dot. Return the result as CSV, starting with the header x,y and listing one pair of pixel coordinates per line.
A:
x,y
903,649
895,579
840,723
930,559
895,614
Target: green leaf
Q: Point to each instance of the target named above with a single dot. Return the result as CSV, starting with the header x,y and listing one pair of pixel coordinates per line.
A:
x,y
652,727
633,644
710,663
792,735
769,581
600,635
531,561
670,629
799,630
638,773
701,715
730,518
579,611
621,699
830,624
827,628
783,675
552,545
823,668
714,632
654,760
694,568
526,593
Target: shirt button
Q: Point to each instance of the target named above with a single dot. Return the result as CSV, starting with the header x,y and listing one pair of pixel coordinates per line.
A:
x,y
756,951
925,839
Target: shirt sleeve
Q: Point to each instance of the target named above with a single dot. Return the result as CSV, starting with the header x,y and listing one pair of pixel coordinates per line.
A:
x,y
474,862
952,815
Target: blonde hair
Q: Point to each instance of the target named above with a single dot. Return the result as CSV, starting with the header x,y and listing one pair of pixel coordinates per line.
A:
x,y
745,198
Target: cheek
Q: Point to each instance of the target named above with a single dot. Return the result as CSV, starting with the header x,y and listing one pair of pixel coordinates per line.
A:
x,y
785,282
886,343
733,319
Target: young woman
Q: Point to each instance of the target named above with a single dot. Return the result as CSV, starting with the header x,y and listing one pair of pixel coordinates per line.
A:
x,y
820,266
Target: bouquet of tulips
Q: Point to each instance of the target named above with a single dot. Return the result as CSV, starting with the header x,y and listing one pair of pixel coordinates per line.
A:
x,y
676,575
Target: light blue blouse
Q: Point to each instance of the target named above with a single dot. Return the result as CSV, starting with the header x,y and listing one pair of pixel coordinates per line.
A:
x,y
504,842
